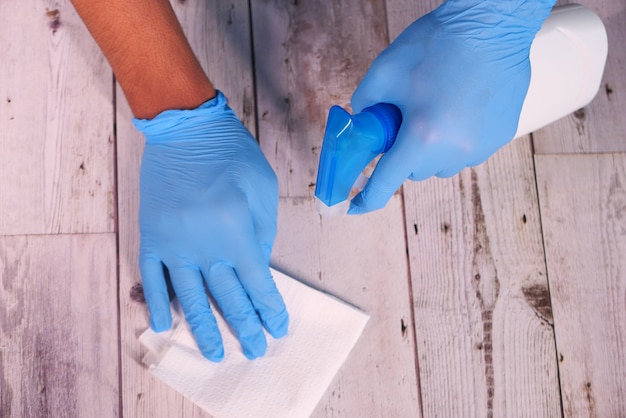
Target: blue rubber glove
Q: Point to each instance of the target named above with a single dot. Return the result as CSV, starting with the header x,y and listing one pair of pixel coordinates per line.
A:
x,y
459,75
208,213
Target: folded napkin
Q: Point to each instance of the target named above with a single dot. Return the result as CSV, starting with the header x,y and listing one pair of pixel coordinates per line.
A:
x,y
287,382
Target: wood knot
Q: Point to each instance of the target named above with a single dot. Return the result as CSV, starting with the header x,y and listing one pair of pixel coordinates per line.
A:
x,y
580,114
54,18
403,327
538,297
136,293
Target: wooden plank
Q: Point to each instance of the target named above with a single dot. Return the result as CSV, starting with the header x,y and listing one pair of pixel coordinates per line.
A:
x,y
220,35
362,260
58,326
56,113
600,126
583,207
482,307
309,56
483,317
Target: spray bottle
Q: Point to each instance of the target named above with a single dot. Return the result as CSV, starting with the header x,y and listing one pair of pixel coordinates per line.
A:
x,y
567,59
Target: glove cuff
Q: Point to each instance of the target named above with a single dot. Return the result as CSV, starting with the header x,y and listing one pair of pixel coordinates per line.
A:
x,y
172,122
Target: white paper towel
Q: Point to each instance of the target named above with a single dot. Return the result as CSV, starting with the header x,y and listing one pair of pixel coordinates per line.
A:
x,y
287,382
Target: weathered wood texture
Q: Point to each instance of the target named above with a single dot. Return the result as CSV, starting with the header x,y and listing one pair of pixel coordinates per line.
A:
x,y
599,126
583,209
309,55
220,35
482,306
478,291
56,123
401,13
363,261
58,326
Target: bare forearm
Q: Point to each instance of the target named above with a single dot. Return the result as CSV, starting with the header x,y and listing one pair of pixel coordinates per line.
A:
x,y
148,52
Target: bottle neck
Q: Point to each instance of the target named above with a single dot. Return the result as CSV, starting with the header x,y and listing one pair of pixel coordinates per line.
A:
x,y
390,118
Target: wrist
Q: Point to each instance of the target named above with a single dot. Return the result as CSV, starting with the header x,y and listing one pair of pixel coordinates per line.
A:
x,y
149,53
172,124
148,98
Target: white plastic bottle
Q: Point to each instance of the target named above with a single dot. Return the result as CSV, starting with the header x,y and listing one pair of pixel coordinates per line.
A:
x,y
567,60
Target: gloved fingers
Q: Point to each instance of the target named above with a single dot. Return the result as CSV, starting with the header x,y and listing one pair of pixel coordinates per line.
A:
x,y
436,161
236,308
480,159
392,169
389,76
255,276
375,194
376,87
449,172
422,174
189,288
386,81
366,93
155,292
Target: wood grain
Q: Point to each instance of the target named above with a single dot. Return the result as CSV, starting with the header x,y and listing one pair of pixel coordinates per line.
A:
x,y
599,126
56,114
401,13
361,260
482,305
58,326
583,207
485,343
220,36
309,55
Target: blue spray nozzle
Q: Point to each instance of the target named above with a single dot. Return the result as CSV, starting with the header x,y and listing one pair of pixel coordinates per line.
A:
x,y
351,142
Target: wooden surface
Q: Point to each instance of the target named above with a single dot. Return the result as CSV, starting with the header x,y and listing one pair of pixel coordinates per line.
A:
x,y
58,326
58,293
498,292
56,119
362,260
592,128
587,271
482,304
309,56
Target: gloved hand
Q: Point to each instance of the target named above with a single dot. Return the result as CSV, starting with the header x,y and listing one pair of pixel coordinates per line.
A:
x,y
208,213
459,75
